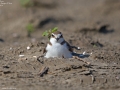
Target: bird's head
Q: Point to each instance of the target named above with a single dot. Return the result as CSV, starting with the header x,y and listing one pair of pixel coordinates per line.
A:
x,y
56,37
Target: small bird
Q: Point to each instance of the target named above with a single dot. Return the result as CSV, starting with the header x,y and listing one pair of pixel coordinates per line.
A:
x,y
58,47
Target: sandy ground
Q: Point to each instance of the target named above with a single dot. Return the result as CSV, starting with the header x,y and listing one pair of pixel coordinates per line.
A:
x,y
92,25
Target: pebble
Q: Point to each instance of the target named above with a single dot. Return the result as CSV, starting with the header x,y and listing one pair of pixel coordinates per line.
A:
x,y
28,47
78,48
34,56
84,53
21,55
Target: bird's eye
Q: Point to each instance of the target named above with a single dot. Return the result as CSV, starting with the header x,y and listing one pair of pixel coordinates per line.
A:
x,y
61,36
52,35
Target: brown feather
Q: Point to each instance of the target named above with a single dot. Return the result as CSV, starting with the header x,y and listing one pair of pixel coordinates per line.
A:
x,y
44,50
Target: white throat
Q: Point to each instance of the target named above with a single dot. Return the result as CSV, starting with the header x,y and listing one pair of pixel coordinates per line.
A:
x,y
54,41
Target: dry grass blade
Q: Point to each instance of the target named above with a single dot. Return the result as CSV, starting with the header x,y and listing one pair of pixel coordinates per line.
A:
x,y
76,57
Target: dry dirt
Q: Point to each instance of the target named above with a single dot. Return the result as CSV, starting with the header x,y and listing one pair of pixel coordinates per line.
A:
x,y
92,25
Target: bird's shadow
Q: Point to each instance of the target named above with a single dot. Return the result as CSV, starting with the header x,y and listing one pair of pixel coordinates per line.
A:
x,y
80,55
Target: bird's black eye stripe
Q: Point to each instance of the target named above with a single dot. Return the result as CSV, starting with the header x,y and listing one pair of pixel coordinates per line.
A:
x,y
52,35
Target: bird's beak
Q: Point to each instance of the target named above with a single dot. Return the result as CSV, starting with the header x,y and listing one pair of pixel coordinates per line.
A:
x,y
57,39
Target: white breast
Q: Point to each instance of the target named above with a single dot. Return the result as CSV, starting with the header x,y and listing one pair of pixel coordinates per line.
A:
x,y
58,50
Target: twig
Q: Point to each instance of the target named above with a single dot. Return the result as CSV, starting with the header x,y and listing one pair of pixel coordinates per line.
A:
x,y
93,78
38,59
43,71
76,57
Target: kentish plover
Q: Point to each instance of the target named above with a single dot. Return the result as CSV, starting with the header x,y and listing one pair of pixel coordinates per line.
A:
x,y
58,47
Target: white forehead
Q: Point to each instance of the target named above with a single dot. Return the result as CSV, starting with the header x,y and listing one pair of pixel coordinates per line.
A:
x,y
56,35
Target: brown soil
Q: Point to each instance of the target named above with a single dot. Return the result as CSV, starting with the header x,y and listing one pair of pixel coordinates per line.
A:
x,y
92,25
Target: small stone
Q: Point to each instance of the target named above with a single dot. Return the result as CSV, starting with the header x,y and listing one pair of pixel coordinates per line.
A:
x,y
88,63
35,56
78,48
28,47
84,53
21,55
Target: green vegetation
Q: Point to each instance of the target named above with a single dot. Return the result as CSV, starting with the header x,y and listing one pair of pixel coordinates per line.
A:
x,y
30,29
27,3
49,32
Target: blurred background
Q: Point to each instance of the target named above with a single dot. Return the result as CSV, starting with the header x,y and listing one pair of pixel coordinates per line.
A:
x,y
25,20
91,25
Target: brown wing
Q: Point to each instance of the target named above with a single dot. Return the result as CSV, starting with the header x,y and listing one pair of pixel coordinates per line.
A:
x,y
44,50
69,47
